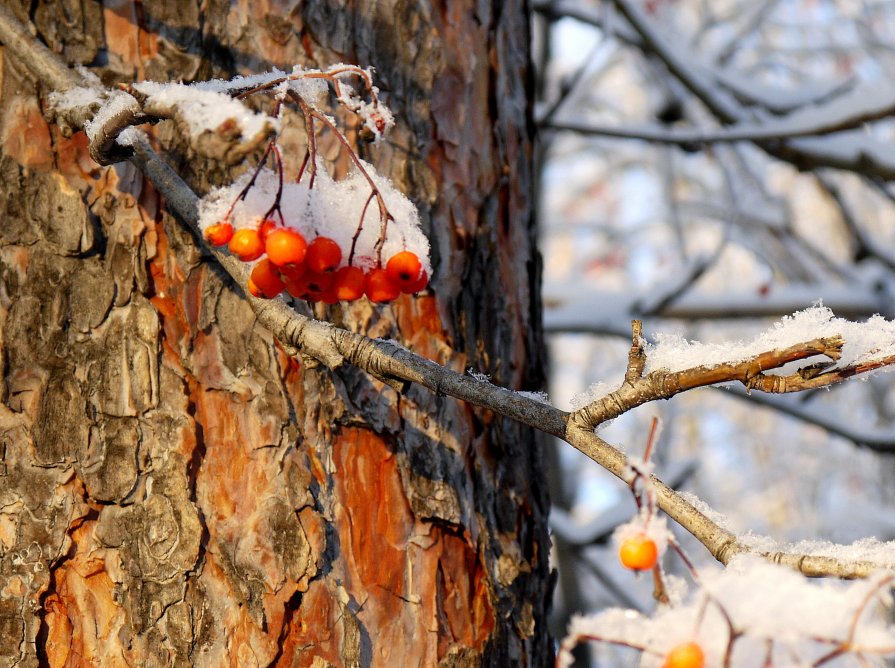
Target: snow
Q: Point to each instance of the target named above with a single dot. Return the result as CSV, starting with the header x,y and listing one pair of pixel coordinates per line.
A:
x,y
870,550
76,98
864,342
117,102
804,618
203,108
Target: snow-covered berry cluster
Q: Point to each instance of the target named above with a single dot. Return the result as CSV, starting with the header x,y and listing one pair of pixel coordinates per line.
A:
x,y
318,238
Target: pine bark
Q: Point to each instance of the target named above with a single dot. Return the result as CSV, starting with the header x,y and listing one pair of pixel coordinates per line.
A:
x,y
174,488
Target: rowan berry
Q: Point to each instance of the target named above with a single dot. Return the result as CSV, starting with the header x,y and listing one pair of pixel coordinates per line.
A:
x,y
317,282
267,226
685,655
379,287
266,279
286,247
638,552
419,286
246,244
324,255
404,269
297,287
349,283
219,234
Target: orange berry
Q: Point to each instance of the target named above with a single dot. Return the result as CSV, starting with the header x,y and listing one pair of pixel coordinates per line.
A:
x,y
317,282
297,287
286,247
349,283
246,244
267,226
419,286
324,255
254,290
266,279
219,234
638,552
404,269
327,296
293,271
685,655
379,287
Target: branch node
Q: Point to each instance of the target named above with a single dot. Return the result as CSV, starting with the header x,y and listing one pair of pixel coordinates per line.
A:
x,y
636,356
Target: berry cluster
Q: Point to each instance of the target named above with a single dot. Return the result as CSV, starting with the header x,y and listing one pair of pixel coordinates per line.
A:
x,y
313,271
317,238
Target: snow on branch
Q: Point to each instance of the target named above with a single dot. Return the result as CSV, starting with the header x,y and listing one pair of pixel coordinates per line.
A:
x,y
835,349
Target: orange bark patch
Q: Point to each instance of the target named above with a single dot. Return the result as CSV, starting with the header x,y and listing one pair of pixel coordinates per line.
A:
x,y
464,607
379,518
313,629
59,639
27,136
406,577
73,157
83,617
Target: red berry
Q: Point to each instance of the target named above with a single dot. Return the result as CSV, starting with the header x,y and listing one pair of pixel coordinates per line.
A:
x,y
349,283
219,234
317,282
379,287
638,552
246,244
254,290
404,269
297,287
286,247
324,255
686,655
327,296
419,286
266,279
267,226
293,271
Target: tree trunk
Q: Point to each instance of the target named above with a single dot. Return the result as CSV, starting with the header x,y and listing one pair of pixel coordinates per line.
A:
x,y
174,488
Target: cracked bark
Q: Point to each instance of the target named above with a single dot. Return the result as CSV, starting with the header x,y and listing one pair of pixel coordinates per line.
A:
x,y
174,488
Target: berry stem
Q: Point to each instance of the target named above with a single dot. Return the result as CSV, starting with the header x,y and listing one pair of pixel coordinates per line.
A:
x,y
360,226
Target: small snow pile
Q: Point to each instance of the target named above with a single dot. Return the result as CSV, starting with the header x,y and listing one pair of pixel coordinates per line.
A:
x,y
779,618
202,108
864,342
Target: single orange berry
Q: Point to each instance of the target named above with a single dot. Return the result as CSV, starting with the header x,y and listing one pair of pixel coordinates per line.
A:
x,y
327,296
266,279
317,282
293,271
685,655
297,287
267,226
254,290
419,286
349,284
638,552
286,247
404,270
246,244
219,234
380,288
324,255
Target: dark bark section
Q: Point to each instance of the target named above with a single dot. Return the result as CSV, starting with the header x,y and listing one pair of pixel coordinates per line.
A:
x,y
176,490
